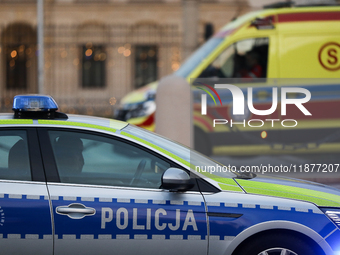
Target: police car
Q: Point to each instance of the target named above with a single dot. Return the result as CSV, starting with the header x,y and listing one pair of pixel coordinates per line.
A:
x,y
84,185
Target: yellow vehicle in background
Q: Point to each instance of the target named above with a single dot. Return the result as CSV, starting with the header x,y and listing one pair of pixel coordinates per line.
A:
x,y
284,42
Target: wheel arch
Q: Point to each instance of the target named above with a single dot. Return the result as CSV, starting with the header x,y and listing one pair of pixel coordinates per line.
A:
x,y
278,226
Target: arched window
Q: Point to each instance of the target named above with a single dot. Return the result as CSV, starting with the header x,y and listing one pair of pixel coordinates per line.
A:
x,y
19,41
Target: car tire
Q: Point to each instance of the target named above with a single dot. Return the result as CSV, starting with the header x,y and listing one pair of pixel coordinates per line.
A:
x,y
276,244
202,143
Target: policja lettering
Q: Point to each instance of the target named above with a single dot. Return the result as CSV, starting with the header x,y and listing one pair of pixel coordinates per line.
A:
x,y
122,219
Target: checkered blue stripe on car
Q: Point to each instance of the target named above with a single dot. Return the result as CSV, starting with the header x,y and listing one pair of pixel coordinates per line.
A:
x,y
93,224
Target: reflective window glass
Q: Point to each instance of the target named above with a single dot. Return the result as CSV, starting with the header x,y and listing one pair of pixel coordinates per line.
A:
x,y
243,59
14,156
90,159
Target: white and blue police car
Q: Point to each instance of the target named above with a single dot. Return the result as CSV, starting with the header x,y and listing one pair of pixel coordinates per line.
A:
x,y
74,184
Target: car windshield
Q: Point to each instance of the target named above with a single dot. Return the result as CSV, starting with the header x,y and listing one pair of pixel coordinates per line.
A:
x,y
179,150
199,55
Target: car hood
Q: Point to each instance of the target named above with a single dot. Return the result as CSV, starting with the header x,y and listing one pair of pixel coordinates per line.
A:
x,y
319,194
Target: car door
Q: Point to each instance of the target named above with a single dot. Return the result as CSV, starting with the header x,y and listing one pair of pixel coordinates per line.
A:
x,y
106,198
25,217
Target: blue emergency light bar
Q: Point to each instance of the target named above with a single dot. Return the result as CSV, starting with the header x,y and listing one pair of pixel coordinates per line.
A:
x,y
36,106
34,103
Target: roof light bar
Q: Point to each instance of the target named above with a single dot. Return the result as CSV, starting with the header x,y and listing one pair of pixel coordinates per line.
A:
x,y
34,103
36,106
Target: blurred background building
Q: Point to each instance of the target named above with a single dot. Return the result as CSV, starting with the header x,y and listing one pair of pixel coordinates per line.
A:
x,y
96,51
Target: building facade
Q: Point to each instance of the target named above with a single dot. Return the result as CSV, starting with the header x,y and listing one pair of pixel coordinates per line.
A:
x,y
96,51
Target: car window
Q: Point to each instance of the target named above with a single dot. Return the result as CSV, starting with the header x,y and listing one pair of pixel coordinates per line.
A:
x,y
191,156
90,159
243,59
14,156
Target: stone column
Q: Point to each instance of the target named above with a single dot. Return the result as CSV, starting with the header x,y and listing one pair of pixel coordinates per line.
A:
x,y
190,18
174,110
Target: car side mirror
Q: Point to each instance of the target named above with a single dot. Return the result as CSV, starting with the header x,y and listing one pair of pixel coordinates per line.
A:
x,y
176,179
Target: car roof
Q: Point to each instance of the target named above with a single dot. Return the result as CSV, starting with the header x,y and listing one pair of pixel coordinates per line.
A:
x,y
242,20
73,120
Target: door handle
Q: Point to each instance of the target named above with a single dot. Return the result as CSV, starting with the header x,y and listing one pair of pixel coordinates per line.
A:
x,y
76,211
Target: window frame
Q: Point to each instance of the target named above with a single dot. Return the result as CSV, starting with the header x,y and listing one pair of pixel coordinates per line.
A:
x,y
50,165
35,159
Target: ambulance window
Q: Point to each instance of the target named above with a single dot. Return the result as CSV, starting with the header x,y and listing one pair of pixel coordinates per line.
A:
x,y
90,159
243,59
200,55
14,156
